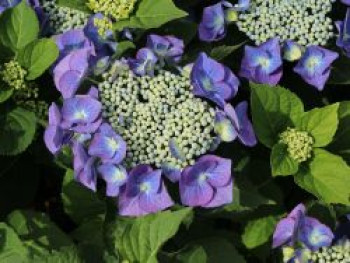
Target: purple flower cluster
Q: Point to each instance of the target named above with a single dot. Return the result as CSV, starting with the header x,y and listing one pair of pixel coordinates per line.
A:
x,y
263,64
343,27
297,227
162,49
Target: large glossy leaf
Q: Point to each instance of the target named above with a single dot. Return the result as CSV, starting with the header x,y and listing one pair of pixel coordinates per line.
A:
x,y
273,110
327,176
19,27
17,131
139,240
151,14
12,249
320,123
37,57
281,162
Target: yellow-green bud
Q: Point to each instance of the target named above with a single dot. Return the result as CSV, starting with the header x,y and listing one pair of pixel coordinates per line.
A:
x,y
13,75
299,144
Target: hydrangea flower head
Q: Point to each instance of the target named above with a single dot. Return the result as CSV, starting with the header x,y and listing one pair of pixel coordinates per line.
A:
x,y
213,80
144,192
115,9
233,123
314,66
343,27
263,64
108,145
208,183
167,48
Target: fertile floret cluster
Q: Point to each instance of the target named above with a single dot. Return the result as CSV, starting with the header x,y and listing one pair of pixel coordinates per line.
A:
x,y
159,117
116,9
13,75
29,99
339,253
304,21
62,19
299,144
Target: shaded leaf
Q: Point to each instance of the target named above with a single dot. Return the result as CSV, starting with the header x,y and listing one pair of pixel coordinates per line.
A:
x,y
281,162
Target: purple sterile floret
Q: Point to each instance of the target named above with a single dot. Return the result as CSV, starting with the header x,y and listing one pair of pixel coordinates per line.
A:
x,y
208,183
70,71
315,66
144,192
115,177
232,123
167,48
286,232
263,64
84,166
343,40
299,227
213,26
108,145
213,80
81,114
72,40
144,62
347,2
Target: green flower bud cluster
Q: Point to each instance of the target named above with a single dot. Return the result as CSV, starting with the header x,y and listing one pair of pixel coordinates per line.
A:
x,y
13,75
339,253
63,19
116,9
29,99
299,144
304,21
152,112
104,25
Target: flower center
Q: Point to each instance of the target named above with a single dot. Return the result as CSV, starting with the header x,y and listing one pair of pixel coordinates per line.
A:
x,y
202,178
299,144
312,63
158,117
145,187
113,144
264,62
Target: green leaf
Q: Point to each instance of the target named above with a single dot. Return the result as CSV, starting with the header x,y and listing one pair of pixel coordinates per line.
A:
x,y
327,176
273,110
220,250
151,14
341,142
37,57
80,203
221,52
258,232
5,92
321,123
17,131
37,231
123,47
19,27
12,249
68,254
281,162
195,255
339,76
139,240
75,4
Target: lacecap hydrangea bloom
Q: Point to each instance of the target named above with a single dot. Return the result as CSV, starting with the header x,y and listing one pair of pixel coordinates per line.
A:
x,y
145,125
